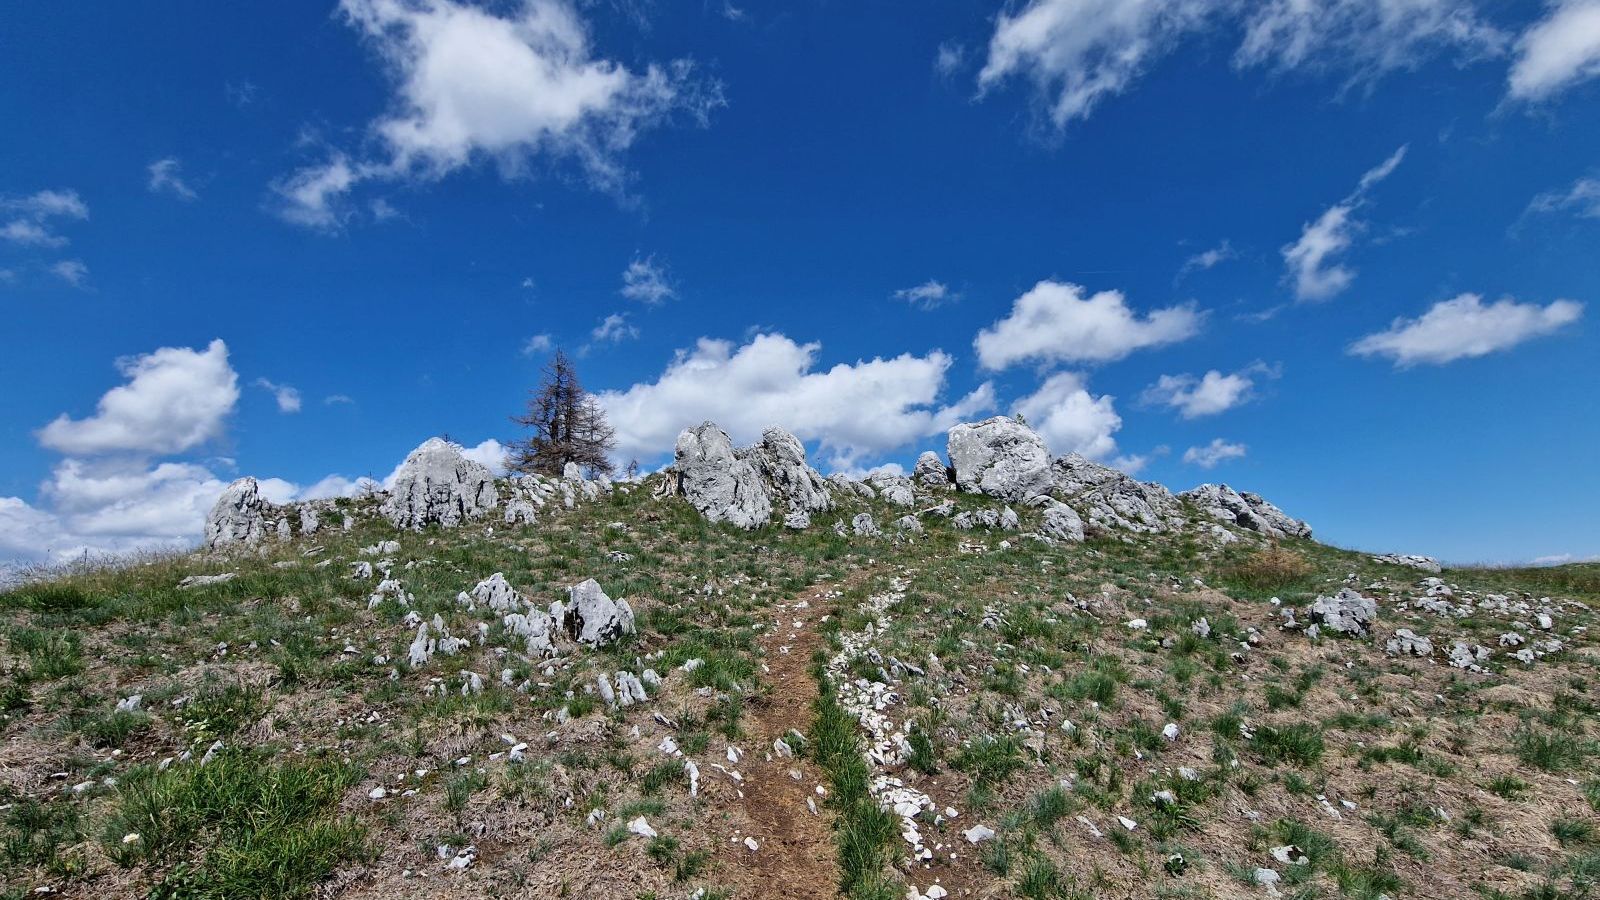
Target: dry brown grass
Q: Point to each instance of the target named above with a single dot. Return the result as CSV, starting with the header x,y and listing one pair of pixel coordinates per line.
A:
x,y
1269,568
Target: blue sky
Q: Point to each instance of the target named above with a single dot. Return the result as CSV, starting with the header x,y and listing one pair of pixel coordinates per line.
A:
x,y
1339,252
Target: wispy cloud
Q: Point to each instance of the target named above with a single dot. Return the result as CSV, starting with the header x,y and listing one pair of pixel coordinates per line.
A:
x,y
166,177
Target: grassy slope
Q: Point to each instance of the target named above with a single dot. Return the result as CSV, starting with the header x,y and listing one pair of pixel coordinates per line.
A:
x,y
308,729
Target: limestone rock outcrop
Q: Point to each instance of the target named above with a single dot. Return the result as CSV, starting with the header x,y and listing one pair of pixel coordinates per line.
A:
x,y
930,471
240,516
1000,457
592,618
437,485
715,480
780,458
893,489
1246,510
1111,500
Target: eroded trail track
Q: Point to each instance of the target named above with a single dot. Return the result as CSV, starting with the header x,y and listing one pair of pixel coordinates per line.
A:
x,y
782,810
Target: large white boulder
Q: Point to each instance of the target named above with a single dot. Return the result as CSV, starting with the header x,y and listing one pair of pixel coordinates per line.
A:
x,y
1000,457
240,516
1060,521
594,619
1246,510
437,485
893,489
719,483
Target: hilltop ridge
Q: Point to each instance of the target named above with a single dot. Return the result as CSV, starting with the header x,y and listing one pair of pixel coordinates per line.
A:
x,y
1003,674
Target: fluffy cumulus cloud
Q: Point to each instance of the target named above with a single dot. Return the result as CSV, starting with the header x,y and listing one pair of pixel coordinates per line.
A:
x,y
1465,327
108,495
855,409
539,343
1313,262
175,399
928,295
517,84
1062,322
1213,454
1557,52
646,281
1078,53
1206,395
1069,418
113,493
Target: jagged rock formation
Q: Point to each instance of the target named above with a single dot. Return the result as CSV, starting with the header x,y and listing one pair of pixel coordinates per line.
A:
x,y
438,486
846,485
930,471
743,486
1000,457
780,459
1246,510
716,481
240,516
592,618
1111,500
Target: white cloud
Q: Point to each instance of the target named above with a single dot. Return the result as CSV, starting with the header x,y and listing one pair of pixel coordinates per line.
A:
x,y
856,410
949,59
48,205
1312,263
1557,52
1582,199
1208,394
515,88
1069,419
1366,38
72,271
334,399
339,486
646,282
176,398
539,343
491,453
314,197
1077,53
928,295
614,328
1464,327
30,234
34,215
1214,453
166,178
1056,322
288,398
1207,259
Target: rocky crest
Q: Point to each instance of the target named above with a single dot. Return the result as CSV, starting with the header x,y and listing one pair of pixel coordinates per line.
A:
x,y
437,485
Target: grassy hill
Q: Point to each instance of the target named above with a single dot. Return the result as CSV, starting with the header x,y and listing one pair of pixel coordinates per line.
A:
x,y
973,710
